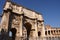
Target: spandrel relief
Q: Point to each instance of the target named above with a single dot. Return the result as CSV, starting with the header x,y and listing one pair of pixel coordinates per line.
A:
x,y
16,21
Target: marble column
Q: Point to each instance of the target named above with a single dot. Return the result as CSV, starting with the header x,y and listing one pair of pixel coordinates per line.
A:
x,y
43,30
21,25
36,33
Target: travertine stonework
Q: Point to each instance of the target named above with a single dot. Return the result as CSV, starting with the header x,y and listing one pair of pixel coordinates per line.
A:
x,y
52,33
22,22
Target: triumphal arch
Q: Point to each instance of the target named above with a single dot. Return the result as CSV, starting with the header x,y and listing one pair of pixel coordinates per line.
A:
x,y
21,21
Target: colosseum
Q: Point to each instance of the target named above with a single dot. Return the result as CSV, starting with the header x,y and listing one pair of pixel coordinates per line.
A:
x,y
21,23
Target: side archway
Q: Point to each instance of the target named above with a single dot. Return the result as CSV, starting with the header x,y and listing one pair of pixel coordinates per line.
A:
x,y
13,33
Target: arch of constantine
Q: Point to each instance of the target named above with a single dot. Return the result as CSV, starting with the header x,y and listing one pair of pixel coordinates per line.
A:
x,y
21,21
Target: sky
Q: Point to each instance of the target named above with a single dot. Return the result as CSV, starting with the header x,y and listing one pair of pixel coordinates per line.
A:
x,y
50,9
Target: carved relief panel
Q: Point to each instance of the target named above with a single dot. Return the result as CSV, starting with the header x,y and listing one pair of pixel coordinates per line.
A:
x,y
16,21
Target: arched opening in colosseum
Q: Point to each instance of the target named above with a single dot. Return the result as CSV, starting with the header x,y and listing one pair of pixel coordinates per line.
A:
x,y
13,33
39,34
45,32
28,28
49,32
59,30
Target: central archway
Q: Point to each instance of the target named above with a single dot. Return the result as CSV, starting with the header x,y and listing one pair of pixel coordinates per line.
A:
x,y
28,28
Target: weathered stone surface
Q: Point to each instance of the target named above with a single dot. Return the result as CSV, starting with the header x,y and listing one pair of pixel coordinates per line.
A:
x,y
23,23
